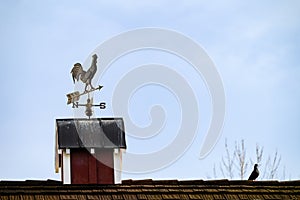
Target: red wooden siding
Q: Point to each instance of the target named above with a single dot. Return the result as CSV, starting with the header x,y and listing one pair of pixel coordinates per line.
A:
x,y
79,166
86,169
105,173
92,170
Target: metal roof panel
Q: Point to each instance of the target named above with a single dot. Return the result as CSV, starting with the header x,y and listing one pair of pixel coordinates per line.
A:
x,y
91,133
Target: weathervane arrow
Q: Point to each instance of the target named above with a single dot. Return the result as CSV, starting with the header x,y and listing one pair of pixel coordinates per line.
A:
x,y
75,96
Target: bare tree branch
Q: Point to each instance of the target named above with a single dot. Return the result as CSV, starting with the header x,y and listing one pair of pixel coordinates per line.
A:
x,y
259,153
227,162
271,166
222,171
275,165
236,159
265,174
241,157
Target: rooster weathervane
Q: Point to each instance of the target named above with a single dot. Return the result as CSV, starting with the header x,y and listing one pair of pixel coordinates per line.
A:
x,y
86,77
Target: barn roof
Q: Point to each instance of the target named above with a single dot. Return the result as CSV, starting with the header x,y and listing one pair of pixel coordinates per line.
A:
x,y
150,189
90,133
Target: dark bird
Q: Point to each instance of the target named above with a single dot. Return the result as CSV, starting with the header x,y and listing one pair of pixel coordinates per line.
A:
x,y
85,76
254,173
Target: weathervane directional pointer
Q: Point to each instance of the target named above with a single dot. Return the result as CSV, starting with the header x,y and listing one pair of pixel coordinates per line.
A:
x,y
75,96
86,77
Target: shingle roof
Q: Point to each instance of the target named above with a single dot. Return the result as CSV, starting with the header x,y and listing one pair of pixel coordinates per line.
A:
x,y
149,189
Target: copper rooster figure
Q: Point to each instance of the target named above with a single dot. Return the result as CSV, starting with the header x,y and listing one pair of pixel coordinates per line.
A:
x,y
85,76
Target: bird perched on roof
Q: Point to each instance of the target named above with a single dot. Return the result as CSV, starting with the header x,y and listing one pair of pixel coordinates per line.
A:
x,y
85,76
254,173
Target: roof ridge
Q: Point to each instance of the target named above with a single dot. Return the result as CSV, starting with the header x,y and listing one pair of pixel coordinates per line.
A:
x,y
209,182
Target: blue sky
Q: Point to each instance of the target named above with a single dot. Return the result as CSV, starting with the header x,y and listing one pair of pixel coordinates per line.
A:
x,y
254,45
